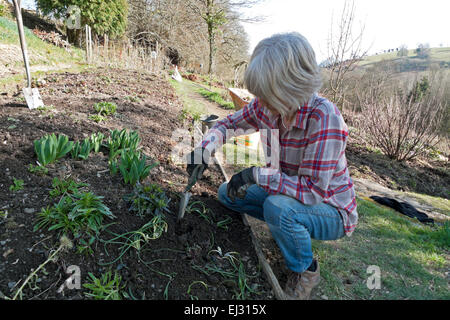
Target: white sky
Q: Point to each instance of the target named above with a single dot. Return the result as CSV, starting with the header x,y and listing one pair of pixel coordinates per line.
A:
x,y
388,23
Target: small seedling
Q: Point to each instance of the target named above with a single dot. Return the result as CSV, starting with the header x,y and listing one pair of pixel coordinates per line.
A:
x,y
17,185
199,208
190,288
107,287
39,170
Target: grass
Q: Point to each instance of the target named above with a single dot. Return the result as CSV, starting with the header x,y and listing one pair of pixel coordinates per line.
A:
x,y
412,258
190,105
440,204
216,97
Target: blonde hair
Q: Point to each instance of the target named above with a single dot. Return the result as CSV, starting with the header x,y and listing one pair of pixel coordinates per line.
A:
x,y
283,72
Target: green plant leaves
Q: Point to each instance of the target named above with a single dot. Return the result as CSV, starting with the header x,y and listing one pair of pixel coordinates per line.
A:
x,y
133,166
51,148
105,108
82,150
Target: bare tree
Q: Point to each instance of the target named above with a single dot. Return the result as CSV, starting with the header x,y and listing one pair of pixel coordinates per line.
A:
x,y
345,50
218,13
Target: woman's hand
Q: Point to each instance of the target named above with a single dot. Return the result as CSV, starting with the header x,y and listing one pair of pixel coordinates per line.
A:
x,y
197,159
237,187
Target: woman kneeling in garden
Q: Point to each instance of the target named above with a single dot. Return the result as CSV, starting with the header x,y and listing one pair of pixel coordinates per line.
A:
x,y
305,190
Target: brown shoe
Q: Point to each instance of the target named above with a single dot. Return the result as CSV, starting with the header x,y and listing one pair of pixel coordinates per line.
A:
x,y
300,285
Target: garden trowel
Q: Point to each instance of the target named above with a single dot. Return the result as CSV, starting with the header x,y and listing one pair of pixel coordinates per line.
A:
x,y
187,195
32,96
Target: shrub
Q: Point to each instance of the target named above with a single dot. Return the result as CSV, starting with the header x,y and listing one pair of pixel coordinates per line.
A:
x,y
404,125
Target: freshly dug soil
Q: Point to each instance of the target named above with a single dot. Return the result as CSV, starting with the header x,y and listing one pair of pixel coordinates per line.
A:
x,y
174,266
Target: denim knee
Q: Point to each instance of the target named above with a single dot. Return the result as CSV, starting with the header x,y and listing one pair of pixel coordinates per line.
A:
x,y
222,194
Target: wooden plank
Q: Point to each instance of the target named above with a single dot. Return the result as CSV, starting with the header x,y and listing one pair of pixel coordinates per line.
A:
x,y
279,293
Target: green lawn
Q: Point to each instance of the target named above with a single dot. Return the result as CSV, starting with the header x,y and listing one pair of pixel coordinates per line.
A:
x,y
412,258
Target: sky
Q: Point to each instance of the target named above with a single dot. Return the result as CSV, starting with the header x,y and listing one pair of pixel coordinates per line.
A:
x,y
388,23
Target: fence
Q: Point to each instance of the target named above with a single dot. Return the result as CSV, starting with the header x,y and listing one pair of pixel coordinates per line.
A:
x,y
123,54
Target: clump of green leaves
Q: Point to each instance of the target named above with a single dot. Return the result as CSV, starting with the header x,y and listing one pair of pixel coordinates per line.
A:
x,y
105,108
65,186
17,185
107,287
79,214
97,118
133,166
97,140
82,150
123,139
51,148
148,199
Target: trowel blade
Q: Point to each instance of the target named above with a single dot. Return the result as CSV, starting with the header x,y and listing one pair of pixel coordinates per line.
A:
x,y
183,204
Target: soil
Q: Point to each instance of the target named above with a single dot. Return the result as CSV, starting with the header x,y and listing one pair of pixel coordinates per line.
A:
x,y
164,268
424,174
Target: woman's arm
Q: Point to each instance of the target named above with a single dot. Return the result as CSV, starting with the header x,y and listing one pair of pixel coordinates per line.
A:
x,y
233,125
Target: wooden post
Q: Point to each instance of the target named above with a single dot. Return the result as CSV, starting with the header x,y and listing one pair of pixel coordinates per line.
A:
x,y
86,43
90,44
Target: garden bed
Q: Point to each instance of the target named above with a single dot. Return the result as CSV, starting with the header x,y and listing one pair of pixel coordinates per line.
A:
x,y
209,255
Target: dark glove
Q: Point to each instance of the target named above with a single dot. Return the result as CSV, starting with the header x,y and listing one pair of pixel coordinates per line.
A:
x,y
239,183
197,159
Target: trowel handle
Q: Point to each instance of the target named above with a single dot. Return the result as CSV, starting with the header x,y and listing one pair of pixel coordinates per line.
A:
x,y
23,44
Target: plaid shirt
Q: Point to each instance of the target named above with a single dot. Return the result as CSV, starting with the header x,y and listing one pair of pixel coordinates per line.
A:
x,y
310,164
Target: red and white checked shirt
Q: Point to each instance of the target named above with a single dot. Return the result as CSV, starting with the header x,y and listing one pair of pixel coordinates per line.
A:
x,y
310,164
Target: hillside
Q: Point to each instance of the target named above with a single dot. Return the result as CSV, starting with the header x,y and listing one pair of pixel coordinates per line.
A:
x,y
439,59
43,56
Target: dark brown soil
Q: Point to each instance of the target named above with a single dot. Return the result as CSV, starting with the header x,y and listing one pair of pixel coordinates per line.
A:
x,y
421,175
163,268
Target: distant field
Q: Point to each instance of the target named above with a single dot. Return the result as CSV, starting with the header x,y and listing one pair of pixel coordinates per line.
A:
x,y
439,58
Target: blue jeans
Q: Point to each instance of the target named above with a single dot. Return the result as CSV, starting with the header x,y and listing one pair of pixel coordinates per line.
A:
x,y
291,223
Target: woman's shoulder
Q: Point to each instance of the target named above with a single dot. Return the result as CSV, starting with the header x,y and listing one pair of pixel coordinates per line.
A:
x,y
325,106
322,109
